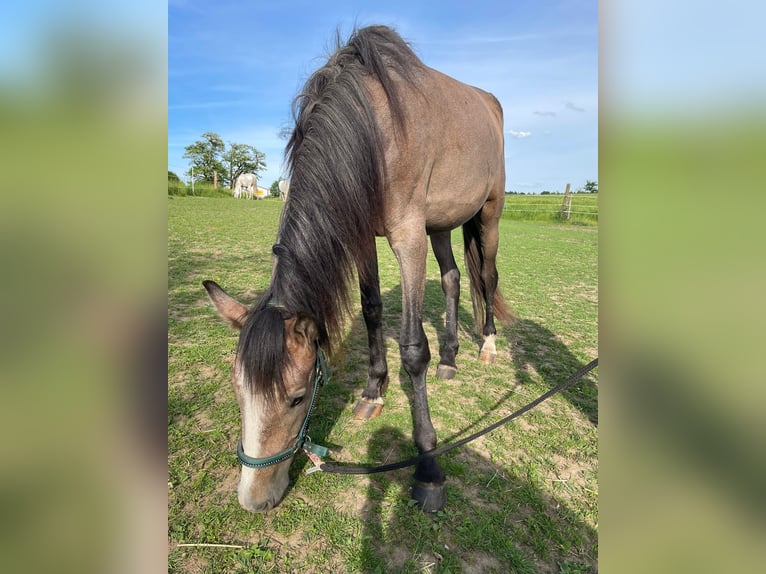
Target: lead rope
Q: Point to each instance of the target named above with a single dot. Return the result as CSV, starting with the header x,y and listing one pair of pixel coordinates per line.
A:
x,y
354,469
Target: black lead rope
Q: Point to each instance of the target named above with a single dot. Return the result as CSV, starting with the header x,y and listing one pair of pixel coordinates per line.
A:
x,y
348,469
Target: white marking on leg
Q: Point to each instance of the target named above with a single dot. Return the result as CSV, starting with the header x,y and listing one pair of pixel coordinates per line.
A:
x,y
488,352
489,345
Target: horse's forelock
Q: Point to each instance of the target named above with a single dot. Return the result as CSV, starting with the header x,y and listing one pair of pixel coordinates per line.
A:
x,y
262,354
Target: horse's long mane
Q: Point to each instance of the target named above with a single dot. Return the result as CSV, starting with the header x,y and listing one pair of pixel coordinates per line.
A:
x,y
327,228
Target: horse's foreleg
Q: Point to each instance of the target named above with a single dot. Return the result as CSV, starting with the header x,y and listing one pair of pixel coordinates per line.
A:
x,y
442,246
371,403
428,486
428,489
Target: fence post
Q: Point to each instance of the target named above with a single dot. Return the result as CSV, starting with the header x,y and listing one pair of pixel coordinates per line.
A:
x,y
566,205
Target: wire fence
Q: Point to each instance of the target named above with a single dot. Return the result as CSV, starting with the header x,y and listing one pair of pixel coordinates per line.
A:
x,y
574,208
508,210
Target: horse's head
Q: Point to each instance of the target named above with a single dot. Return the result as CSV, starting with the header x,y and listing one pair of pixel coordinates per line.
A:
x,y
274,376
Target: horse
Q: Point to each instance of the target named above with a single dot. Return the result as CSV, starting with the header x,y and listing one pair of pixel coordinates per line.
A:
x,y
284,189
244,185
382,146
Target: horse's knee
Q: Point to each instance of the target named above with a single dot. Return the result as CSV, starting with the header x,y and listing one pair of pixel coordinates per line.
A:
x,y
415,357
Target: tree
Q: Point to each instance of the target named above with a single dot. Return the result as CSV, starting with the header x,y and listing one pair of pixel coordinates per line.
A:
x,y
209,155
274,189
590,186
239,159
204,156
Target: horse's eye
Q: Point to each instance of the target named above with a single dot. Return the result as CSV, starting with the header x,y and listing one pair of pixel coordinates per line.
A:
x,y
296,402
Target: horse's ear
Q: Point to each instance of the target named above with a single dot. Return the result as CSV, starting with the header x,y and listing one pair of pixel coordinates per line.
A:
x,y
229,308
303,331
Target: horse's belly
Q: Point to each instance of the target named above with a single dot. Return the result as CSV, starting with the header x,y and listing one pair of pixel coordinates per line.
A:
x,y
449,213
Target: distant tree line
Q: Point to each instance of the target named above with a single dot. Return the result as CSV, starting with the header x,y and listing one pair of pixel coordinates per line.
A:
x,y
210,155
589,187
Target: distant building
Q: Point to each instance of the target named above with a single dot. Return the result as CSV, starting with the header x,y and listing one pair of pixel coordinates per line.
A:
x,y
262,192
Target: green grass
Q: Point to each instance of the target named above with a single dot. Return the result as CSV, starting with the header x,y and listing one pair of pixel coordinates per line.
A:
x,y
522,499
584,208
176,188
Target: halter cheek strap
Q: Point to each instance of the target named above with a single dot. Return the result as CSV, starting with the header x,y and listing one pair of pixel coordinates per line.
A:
x,y
302,441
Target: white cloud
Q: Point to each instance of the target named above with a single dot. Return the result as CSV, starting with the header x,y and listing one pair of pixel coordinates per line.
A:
x,y
545,113
519,135
574,108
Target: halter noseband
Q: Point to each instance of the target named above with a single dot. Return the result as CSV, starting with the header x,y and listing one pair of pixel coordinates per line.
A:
x,y
302,441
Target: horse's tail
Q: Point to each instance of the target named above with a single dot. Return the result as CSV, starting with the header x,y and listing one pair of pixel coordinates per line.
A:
x,y
474,261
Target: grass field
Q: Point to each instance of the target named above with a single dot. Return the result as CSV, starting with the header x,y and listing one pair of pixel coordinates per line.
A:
x,y
583,211
201,189
521,499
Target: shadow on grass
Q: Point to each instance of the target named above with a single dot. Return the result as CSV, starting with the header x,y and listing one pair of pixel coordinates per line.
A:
x,y
495,520
533,349
521,525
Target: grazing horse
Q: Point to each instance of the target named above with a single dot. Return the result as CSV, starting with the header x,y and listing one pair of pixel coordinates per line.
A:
x,y
245,184
382,146
284,189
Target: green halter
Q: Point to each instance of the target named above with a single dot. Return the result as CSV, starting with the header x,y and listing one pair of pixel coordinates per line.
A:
x,y
302,441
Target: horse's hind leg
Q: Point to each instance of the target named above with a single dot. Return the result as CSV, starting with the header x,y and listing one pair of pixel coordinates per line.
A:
x,y
481,240
371,403
442,246
489,229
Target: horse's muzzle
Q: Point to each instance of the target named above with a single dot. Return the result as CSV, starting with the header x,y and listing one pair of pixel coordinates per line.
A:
x,y
257,507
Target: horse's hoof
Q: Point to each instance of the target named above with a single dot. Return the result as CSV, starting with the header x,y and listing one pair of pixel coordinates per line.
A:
x,y
445,372
488,350
430,497
367,409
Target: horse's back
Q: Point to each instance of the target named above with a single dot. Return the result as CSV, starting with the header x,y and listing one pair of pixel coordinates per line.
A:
x,y
247,179
450,161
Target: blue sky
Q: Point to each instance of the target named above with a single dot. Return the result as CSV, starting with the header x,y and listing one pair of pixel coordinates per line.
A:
x,y
234,68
